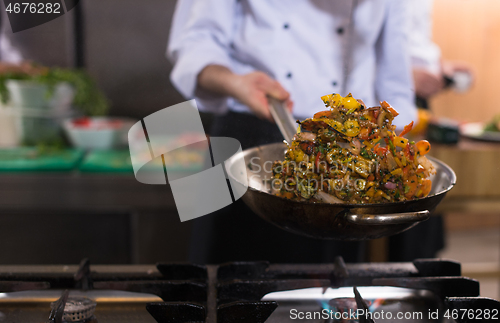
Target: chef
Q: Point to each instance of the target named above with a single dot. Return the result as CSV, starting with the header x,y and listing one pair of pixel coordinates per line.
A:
x,y
230,54
431,73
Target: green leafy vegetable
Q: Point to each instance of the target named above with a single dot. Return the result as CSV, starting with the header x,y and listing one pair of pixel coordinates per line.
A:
x,y
88,98
493,125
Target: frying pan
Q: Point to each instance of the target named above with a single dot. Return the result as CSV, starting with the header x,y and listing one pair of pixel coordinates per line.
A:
x,y
331,221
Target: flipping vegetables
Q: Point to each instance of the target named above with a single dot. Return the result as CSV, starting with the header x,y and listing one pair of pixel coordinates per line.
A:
x,y
352,154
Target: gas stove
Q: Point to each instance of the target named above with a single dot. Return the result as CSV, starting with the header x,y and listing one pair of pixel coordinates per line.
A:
x,y
427,290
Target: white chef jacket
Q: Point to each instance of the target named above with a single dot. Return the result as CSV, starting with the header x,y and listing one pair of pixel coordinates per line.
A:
x,y
424,52
309,46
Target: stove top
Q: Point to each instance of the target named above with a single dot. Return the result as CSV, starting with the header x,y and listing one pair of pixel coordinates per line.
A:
x,y
251,292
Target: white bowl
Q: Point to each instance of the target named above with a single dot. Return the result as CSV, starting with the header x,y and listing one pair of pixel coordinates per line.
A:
x,y
34,95
98,132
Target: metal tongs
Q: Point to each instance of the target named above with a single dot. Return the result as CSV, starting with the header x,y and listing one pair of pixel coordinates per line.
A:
x,y
283,118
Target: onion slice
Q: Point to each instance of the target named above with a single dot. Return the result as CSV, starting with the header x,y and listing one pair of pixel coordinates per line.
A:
x,y
391,162
325,197
381,118
355,146
427,165
390,185
305,136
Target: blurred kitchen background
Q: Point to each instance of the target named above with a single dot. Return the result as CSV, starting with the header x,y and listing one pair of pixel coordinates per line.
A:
x,y
96,211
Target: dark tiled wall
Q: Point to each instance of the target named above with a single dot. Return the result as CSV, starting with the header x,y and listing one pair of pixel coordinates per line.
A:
x,y
125,45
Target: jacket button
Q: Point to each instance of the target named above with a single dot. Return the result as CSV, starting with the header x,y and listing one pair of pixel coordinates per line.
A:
x,y
286,26
340,30
334,83
289,75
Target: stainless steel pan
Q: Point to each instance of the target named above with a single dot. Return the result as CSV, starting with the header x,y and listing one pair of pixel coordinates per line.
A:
x,y
332,221
328,221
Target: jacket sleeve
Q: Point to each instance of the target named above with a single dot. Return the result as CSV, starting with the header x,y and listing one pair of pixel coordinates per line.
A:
x,y
393,79
423,51
200,35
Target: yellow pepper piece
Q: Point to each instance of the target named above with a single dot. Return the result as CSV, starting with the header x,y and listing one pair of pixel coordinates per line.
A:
x,y
400,164
334,124
382,194
370,192
336,100
331,100
327,99
400,142
298,155
397,171
350,103
362,168
372,143
352,128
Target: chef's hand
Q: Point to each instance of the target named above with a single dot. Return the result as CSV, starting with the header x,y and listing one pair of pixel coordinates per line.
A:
x,y
427,83
25,67
449,67
250,89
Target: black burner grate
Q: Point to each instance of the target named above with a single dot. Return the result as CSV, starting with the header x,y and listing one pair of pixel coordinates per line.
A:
x,y
232,292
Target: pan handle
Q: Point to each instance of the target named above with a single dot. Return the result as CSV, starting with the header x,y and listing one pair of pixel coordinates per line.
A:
x,y
387,219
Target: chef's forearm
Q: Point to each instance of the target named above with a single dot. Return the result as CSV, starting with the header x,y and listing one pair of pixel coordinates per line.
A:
x,y
217,79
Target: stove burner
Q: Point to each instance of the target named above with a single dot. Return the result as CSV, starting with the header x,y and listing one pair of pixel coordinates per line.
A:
x,y
75,309
57,312
233,291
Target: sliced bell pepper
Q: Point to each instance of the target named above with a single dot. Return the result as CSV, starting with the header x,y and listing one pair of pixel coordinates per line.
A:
x,y
316,162
323,114
426,187
400,142
406,129
364,133
411,186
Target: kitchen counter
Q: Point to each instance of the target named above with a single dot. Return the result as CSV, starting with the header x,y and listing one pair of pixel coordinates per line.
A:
x,y
74,190
144,213
477,165
108,217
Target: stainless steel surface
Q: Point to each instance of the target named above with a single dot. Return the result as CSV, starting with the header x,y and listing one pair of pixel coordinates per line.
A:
x,y
72,269
319,293
116,306
330,221
379,299
100,296
283,119
112,306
